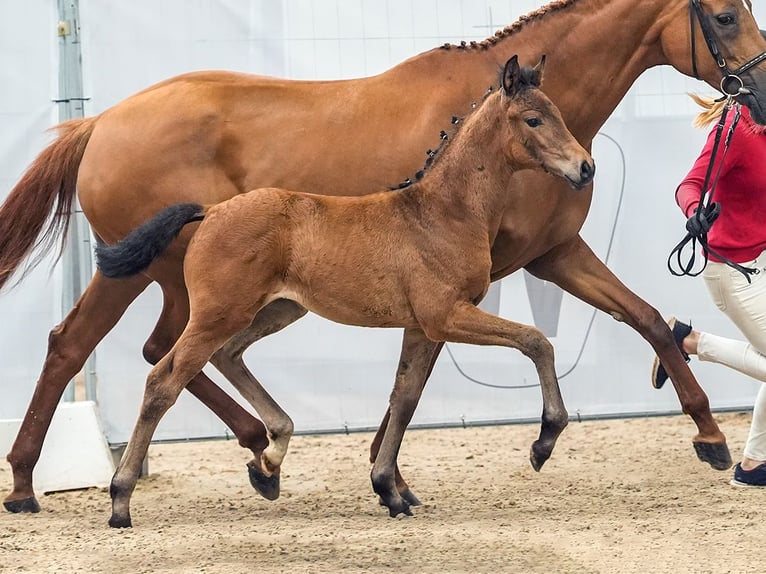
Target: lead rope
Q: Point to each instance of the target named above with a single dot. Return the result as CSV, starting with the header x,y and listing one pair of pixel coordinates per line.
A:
x,y
707,211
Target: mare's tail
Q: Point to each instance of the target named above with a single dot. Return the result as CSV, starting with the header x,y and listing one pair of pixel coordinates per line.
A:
x,y
147,241
37,211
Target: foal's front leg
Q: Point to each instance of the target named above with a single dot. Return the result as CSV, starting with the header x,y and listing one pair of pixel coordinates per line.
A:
x,y
416,361
466,323
576,269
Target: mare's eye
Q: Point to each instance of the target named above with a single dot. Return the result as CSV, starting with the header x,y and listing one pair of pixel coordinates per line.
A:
x,y
534,122
725,19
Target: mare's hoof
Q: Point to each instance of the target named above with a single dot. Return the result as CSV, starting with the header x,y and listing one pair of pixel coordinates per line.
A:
x,y
395,510
538,454
397,506
410,498
120,521
266,486
716,454
24,505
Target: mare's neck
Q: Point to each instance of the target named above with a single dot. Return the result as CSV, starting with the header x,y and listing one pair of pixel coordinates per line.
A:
x,y
595,52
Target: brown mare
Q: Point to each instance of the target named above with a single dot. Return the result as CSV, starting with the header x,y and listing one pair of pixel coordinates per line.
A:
x,y
214,135
417,258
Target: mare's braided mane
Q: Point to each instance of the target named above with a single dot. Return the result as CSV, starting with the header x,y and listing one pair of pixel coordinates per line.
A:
x,y
508,30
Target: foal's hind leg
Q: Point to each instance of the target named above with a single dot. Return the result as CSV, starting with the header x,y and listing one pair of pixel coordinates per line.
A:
x,y
264,469
250,432
575,268
163,385
69,345
416,361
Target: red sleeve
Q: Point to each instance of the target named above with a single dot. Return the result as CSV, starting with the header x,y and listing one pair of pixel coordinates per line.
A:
x,y
688,191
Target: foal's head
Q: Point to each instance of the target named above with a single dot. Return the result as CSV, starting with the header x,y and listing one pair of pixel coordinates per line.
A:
x,y
535,135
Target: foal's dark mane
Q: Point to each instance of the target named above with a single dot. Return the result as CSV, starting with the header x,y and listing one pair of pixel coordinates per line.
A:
x,y
510,29
528,78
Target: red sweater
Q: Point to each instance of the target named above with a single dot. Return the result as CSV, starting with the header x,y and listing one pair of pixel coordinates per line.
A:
x,y
739,233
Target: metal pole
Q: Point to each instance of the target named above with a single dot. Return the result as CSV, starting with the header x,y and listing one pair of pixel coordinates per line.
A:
x,y
77,253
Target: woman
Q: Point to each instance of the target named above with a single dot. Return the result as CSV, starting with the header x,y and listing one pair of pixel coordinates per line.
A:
x,y
738,235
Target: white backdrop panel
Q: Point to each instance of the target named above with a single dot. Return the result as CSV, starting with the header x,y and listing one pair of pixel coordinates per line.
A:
x,y
329,376
28,86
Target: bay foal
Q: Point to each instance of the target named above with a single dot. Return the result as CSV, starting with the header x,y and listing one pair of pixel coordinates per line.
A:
x,y
417,258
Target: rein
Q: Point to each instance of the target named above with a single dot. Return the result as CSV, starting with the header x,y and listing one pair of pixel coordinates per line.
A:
x,y
695,10
707,212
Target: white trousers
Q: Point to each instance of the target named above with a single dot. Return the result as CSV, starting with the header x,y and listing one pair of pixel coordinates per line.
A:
x,y
745,304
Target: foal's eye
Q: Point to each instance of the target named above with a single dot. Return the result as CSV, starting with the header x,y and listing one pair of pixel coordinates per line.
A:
x,y
534,122
725,19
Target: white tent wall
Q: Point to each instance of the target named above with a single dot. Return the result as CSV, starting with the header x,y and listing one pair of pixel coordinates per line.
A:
x,y
28,86
330,377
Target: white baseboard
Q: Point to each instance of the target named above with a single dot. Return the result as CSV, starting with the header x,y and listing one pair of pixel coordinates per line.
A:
x,y
75,453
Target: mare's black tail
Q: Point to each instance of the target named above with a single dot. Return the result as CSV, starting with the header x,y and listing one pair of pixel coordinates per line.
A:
x,y
146,242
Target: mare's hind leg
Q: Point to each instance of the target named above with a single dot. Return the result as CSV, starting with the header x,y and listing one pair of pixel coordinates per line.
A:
x,y
575,268
416,361
69,345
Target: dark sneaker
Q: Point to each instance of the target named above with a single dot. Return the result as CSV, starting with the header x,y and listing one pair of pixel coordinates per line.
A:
x,y
680,332
755,477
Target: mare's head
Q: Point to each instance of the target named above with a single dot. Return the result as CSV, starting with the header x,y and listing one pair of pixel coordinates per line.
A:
x,y
718,41
535,136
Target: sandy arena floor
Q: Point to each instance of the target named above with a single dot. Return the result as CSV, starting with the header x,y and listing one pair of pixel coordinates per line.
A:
x,y
616,497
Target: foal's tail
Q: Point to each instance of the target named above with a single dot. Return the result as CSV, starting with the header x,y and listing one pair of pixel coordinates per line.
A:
x,y
147,241
37,211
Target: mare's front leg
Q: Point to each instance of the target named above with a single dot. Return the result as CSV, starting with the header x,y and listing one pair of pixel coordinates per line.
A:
x,y
416,361
576,269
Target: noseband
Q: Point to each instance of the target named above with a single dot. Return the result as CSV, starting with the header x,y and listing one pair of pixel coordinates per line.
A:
x,y
695,10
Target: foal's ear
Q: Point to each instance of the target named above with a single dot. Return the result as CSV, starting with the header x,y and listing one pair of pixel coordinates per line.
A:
x,y
511,76
539,68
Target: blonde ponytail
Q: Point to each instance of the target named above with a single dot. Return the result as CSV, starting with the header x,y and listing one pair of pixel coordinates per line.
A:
x,y
712,110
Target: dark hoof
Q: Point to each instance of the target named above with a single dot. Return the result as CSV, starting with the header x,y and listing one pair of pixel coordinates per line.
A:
x,y
266,486
120,522
715,454
24,505
396,505
410,498
395,509
538,454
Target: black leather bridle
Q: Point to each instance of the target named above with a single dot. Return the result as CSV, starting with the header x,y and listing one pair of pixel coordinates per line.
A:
x,y
707,212
695,11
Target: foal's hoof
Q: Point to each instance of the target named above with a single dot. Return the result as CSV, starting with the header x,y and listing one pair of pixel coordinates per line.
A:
x,y
266,486
538,454
120,521
716,454
24,505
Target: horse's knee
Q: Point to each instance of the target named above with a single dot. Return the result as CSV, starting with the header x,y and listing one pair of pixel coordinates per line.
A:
x,y
159,396
63,351
536,346
154,350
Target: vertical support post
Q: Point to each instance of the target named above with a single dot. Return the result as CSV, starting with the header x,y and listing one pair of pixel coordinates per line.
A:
x,y
77,253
